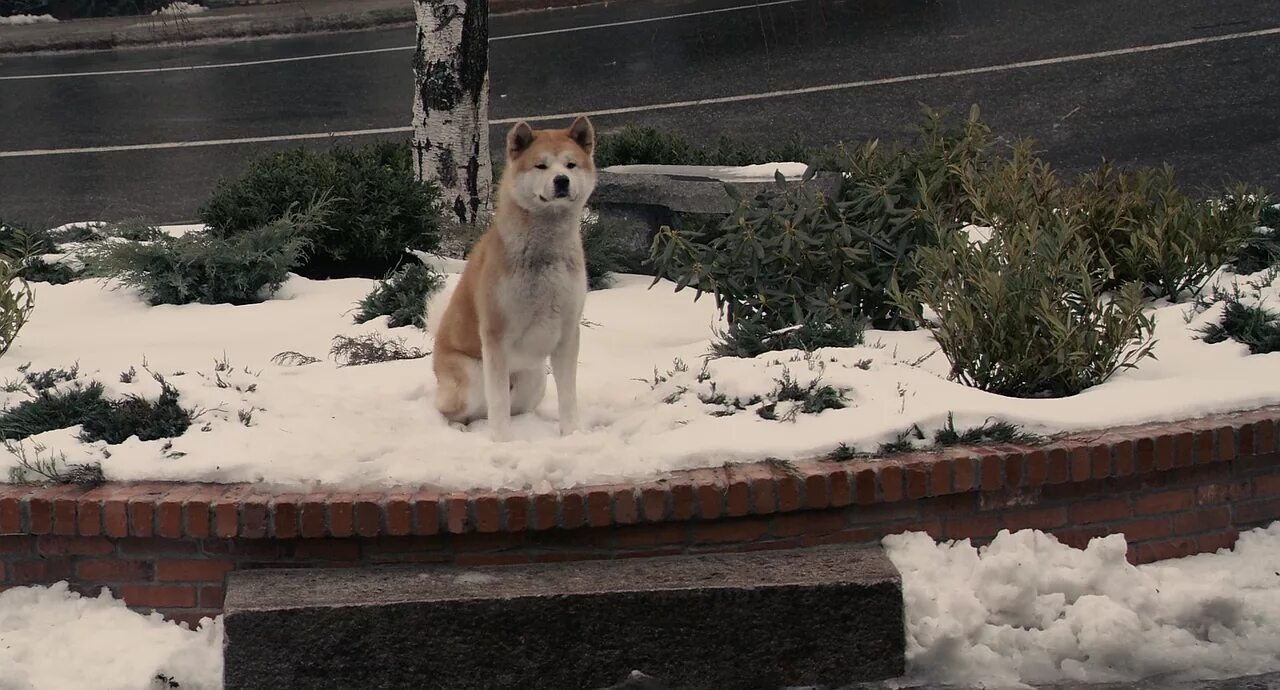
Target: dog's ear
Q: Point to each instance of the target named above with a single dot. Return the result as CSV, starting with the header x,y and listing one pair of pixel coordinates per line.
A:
x,y
519,139
583,133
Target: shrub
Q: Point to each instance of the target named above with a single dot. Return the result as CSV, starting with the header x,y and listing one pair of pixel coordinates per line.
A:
x,y
16,301
52,409
149,420
1024,313
990,431
1146,230
80,9
650,146
1261,249
1245,321
37,270
379,210
402,297
240,269
611,246
372,348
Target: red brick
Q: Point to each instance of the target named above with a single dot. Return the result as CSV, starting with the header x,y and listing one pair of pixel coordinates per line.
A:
x,y
573,510
18,543
11,509
1059,467
226,511
1104,510
1266,485
254,514
1081,464
972,528
1041,519
43,571
136,546
917,481
599,508
1144,455
1100,461
426,513
1184,450
737,494
966,473
39,512
1256,511
1164,502
653,502
1037,468
1212,543
1245,446
399,514
788,486
730,531
1164,452
1124,457
817,494
488,513
890,476
157,596
649,535
840,488
50,545
1162,550
327,550
1195,522
212,597
1215,494
456,518
1264,437
199,511
763,489
192,570
807,523
142,508
516,507
169,513
992,471
625,509
1014,470
1079,537
311,516
1145,530
940,477
112,570
341,513
1204,446
865,480
89,511
710,489
496,541
682,503
283,515
1226,443
933,528
64,509
545,510
858,535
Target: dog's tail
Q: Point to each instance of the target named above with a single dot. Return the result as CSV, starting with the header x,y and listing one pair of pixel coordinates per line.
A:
x,y
436,304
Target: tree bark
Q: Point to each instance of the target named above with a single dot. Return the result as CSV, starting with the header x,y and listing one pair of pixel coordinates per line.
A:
x,y
451,104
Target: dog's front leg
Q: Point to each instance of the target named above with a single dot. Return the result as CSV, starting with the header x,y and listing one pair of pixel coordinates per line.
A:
x,y
564,366
497,387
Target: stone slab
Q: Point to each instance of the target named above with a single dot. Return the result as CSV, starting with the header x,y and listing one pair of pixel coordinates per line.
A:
x,y
825,616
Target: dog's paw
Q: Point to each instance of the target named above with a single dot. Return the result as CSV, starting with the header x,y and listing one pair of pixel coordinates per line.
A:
x,y
569,427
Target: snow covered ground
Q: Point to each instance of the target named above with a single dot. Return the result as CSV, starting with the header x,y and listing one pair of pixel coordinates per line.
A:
x,y
27,19
1025,609
376,424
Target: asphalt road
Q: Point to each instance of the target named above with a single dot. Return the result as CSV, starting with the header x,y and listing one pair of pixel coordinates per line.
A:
x,y
1191,83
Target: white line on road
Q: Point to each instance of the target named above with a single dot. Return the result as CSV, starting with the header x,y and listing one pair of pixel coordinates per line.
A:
x,y
1007,67
394,49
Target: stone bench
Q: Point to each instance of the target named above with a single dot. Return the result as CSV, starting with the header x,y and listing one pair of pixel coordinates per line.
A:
x,y
823,616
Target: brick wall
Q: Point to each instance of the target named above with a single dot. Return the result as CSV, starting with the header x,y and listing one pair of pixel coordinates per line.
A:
x,y
1172,490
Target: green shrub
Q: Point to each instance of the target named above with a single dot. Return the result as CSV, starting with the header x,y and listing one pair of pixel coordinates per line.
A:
x,y
134,230
48,378
611,246
379,210
52,409
1261,249
989,432
133,415
240,269
402,297
80,9
1147,230
16,301
1245,321
37,270
1024,314
651,146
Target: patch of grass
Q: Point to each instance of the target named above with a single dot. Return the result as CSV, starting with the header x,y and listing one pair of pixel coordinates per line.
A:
x,y
372,348
52,409
50,468
402,297
136,416
811,398
990,431
843,453
903,443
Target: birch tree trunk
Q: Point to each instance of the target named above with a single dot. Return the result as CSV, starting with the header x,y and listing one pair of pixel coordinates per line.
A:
x,y
451,103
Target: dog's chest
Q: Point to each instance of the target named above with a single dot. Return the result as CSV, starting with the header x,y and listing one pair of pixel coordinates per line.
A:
x,y
540,300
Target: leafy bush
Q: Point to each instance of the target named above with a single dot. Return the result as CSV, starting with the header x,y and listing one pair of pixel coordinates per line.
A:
x,y
240,269
1246,321
37,270
379,210
1261,249
16,301
402,297
80,9
651,146
1146,230
1024,313
610,246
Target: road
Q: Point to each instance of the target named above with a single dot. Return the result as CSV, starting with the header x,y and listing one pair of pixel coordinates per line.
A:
x,y
1191,83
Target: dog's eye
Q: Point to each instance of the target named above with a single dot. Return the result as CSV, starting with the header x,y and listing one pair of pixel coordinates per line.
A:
x,y
571,165
541,166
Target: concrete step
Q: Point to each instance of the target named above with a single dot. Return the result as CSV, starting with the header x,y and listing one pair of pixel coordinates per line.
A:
x,y
826,616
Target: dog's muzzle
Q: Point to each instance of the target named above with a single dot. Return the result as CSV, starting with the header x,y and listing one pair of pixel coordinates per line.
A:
x,y
561,184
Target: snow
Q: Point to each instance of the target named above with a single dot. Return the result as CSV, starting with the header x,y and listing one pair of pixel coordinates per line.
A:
x,y
179,9
1027,609
376,424
27,19
762,172
53,638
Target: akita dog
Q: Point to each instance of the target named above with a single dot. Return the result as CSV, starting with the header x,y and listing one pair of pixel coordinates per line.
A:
x,y
520,298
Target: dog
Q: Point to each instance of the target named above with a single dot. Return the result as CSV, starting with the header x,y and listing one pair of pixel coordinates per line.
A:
x,y
519,301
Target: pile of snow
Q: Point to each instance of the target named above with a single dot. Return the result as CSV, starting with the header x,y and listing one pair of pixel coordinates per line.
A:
x,y
377,424
26,19
180,9
761,172
53,638
1027,609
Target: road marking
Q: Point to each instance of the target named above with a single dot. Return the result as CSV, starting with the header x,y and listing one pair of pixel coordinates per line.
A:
x,y
670,105
395,49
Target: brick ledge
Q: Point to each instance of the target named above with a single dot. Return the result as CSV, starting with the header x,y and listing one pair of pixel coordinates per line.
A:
x,y
175,510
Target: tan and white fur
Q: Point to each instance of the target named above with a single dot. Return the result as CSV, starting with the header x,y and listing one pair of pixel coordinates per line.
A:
x,y
519,302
